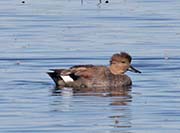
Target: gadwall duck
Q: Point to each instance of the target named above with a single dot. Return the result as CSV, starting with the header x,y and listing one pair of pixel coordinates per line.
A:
x,y
90,76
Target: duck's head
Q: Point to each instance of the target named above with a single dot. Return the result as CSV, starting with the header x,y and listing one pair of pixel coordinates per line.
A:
x,y
120,63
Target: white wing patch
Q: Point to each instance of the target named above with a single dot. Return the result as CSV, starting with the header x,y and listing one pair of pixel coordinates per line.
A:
x,y
67,78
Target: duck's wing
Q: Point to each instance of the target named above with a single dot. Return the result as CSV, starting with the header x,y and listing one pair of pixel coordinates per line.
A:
x,y
85,71
72,74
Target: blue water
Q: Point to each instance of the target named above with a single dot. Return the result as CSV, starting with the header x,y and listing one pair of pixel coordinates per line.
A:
x,y
36,36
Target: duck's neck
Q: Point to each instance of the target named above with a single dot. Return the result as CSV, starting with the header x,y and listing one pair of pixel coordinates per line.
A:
x,y
114,70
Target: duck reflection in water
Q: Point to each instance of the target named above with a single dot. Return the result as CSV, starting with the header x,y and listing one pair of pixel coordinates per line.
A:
x,y
118,112
90,76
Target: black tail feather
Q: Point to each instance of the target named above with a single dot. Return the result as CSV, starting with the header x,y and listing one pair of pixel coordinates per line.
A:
x,y
55,76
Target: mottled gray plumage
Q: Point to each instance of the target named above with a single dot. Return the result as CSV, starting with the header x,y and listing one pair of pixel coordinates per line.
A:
x,y
90,76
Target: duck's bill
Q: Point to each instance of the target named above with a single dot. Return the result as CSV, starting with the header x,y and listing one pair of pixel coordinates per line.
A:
x,y
132,69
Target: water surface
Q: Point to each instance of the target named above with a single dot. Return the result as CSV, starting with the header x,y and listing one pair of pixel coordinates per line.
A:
x,y
45,34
